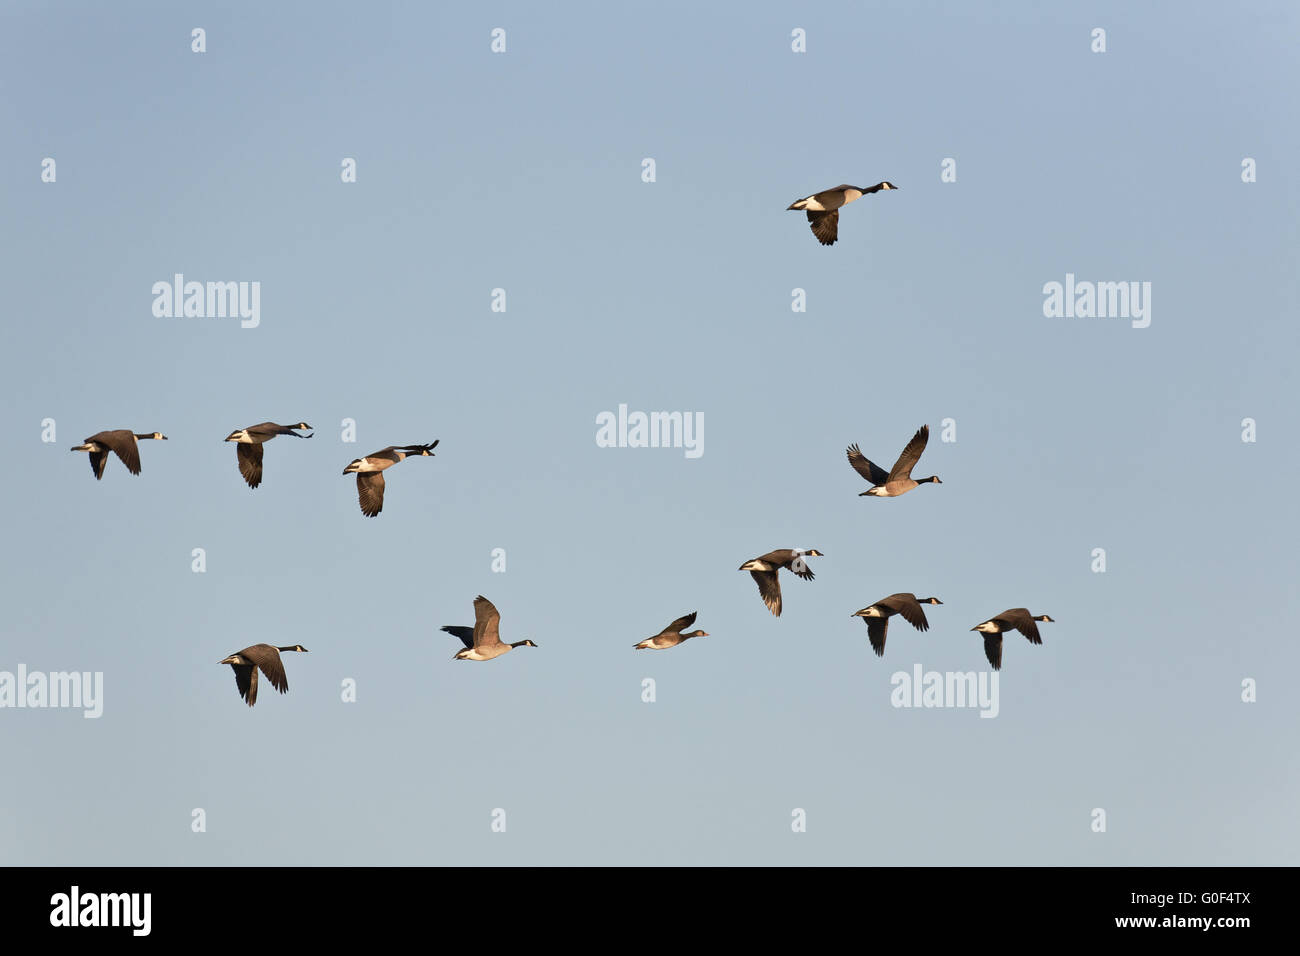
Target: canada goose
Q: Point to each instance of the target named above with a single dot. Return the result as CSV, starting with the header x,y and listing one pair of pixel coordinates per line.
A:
x,y
370,477
483,640
898,480
765,567
823,208
122,442
671,635
1016,619
248,451
246,663
877,616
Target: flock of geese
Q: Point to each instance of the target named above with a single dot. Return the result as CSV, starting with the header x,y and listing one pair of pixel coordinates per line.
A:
x,y
248,454
482,642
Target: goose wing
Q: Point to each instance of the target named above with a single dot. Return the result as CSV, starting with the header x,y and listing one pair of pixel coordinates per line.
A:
x,y
370,492
993,650
466,634
910,609
246,681
98,460
866,468
877,627
911,454
250,462
794,563
679,625
487,622
1020,619
769,588
267,659
825,226
122,442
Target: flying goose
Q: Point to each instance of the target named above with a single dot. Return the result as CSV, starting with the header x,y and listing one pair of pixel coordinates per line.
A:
x,y
248,451
483,640
122,442
823,208
898,480
1016,619
877,616
671,635
370,473
265,657
765,567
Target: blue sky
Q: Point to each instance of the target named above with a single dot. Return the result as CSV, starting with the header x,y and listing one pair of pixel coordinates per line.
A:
x,y
522,171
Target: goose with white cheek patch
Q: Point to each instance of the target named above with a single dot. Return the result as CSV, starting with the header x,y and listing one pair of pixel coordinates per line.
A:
x,y
906,604
1016,619
764,570
263,657
823,208
370,473
898,480
483,640
249,442
121,442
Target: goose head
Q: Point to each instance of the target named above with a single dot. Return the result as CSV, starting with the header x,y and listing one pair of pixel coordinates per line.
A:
x,y
695,633
929,600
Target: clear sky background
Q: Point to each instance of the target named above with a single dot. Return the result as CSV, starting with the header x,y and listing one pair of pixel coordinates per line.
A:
x,y
522,171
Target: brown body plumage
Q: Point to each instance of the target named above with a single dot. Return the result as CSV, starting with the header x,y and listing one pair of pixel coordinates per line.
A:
x,y
898,480
1015,619
764,570
876,616
483,641
671,635
263,657
370,473
122,442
